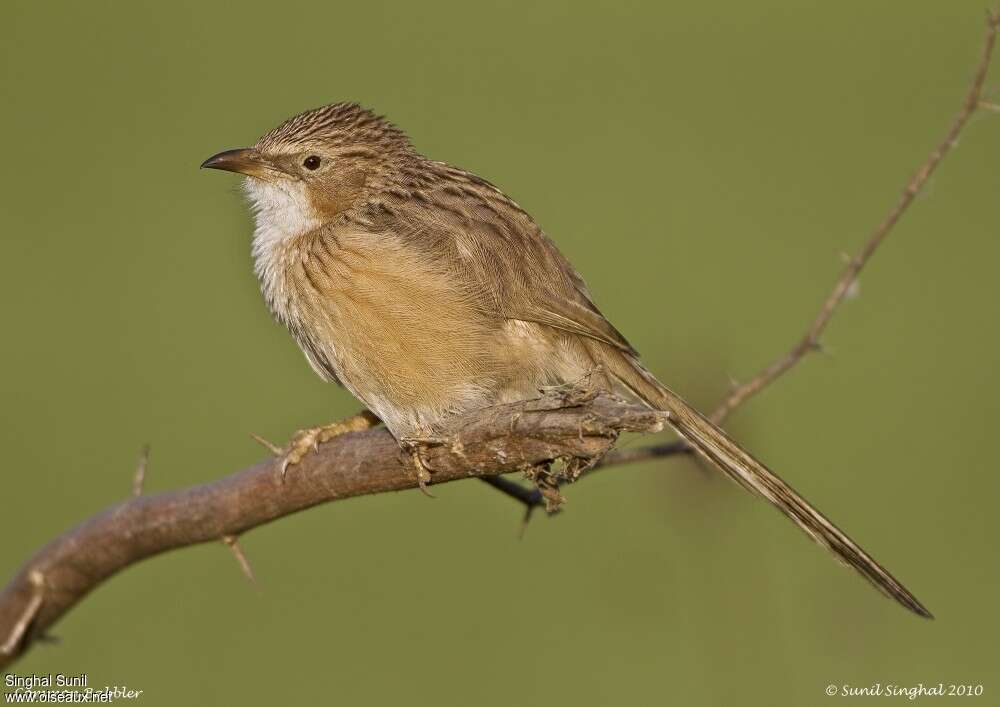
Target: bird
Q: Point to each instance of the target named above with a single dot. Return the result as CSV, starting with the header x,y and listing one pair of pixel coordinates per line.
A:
x,y
427,292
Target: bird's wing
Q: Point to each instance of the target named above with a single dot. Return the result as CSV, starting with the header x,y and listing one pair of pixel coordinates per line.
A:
x,y
573,311
500,253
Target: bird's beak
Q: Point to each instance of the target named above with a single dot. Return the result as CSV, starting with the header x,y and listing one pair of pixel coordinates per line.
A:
x,y
245,160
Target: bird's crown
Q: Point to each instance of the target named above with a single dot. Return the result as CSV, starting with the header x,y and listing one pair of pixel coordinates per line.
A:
x,y
334,125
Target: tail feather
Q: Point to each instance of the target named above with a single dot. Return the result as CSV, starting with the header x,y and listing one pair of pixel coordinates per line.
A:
x,y
716,446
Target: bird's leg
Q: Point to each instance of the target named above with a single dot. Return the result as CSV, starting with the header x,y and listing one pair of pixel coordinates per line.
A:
x,y
310,438
412,445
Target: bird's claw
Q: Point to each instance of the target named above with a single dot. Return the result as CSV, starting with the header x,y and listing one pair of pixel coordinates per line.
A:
x,y
302,443
310,438
413,445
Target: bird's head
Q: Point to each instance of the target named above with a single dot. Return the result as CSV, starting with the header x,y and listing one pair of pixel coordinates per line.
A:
x,y
315,165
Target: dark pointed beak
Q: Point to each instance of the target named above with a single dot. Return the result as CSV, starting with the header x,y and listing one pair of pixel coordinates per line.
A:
x,y
245,160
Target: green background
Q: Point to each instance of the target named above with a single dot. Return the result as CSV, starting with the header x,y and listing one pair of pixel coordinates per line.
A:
x,y
704,165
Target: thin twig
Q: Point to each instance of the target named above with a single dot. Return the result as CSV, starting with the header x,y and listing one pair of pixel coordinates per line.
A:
x,y
811,340
641,454
234,544
530,498
139,479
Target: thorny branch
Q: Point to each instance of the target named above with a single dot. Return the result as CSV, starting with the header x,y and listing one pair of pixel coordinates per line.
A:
x,y
811,340
573,424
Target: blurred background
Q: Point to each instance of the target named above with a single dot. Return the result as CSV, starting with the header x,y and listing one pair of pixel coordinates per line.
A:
x,y
704,165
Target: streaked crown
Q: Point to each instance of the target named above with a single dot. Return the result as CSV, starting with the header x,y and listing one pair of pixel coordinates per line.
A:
x,y
334,126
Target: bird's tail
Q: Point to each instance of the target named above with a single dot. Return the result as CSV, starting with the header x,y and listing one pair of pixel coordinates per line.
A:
x,y
739,465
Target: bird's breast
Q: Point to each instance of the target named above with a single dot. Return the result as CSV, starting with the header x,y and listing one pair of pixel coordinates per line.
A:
x,y
282,217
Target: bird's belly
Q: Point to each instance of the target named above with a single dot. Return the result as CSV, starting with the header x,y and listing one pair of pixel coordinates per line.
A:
x,y
409,343
414,375
416,380
405,343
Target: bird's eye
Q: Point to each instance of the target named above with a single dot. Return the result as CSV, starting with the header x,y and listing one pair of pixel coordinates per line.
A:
x,y
311,162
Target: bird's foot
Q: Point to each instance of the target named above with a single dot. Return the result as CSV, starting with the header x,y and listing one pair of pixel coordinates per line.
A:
x,y
309,439
423,473
413,446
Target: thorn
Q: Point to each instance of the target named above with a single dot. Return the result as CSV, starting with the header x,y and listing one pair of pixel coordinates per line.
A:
x,y
853,289
139,478
528,511
270,446
820,348
37,580
989,106
275,450
233,542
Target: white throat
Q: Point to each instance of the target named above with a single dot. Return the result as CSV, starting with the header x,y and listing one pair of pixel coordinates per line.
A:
x,y
282,213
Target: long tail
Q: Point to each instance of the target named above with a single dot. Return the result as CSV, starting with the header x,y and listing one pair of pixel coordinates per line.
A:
x,y
716,446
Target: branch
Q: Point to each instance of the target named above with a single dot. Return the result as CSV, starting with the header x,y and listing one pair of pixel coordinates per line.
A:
x,y
811,340
573,425
536,497
570,424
